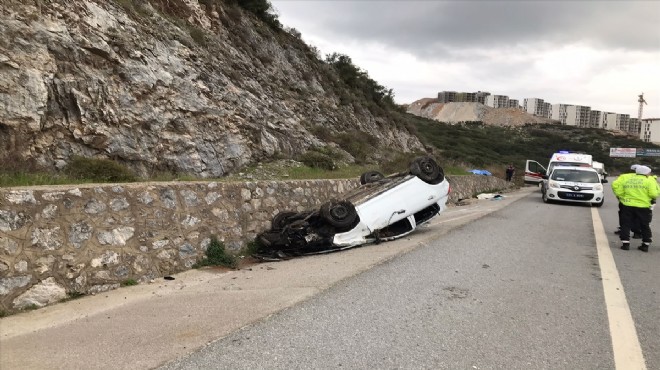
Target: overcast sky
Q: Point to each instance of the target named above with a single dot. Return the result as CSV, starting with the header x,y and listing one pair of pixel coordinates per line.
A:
x,y
602,54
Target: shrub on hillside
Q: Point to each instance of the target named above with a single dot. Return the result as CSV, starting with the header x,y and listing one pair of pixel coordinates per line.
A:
x,y
317,158
99,170
357,143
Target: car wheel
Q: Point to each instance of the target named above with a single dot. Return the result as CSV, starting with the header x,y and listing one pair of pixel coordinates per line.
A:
x,y
281,219
371,176
600,204
340,214
545,197
427,170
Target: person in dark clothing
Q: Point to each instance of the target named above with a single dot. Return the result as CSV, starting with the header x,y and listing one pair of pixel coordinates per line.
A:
x,y
509,172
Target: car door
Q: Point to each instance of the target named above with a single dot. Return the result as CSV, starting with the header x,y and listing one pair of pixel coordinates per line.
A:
x,y
533,172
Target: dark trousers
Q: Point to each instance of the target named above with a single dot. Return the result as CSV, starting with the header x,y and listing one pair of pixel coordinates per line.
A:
x,y
635,228
631,217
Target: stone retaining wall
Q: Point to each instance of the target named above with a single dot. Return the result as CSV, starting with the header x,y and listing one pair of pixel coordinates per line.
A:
x,y
62,241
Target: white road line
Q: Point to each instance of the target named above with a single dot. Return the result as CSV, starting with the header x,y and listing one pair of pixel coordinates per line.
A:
x,y
455,218
625,344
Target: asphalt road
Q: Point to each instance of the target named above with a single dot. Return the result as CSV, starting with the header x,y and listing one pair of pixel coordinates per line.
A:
x,y
520,288
506,284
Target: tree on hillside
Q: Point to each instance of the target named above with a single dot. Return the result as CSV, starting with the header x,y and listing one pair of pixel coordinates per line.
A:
x,y
360,81
263,9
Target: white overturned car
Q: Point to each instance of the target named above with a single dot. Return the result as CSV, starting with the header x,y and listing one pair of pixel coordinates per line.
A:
x,y
381,208
574,184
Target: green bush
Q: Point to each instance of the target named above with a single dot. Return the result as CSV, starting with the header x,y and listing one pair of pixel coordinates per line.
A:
x,y
252,247
129,282
216,255
357,143
262,9
318,159
98,170
477,145
322,132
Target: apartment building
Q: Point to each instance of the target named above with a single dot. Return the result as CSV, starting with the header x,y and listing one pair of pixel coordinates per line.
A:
x,y
535,106
463,97
622,121
559,113
577,115
650,130
611,121
567,114
447,96
616,121
547,110
481,96
595,119
634,125
466,97
497,101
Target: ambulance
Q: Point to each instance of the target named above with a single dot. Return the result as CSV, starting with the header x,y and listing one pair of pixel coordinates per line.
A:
x,y
534,171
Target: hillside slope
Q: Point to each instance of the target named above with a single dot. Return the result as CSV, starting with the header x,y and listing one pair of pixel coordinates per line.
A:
x,y
472,112
167,85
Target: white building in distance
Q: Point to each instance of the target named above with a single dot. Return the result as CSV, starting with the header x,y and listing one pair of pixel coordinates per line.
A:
x,y
595,119
650,131
535,106
497,101
577,115
559,113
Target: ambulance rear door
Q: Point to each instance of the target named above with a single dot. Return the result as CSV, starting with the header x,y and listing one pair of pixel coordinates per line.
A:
x,y
534,172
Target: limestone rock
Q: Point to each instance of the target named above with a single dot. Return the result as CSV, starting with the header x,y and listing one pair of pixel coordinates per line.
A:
x,y
84,77
46,292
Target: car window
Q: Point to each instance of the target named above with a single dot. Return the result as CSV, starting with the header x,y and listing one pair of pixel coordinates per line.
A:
x,y
535,167
575,176
573,164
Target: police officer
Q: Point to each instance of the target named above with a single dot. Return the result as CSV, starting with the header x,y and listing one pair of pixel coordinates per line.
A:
x,y
635,194
635,229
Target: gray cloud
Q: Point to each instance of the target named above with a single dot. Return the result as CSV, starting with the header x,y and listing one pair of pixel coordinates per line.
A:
x,y
436,27
600,53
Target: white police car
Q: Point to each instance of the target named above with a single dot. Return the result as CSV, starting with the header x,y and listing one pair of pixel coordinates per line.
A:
x,y
574,184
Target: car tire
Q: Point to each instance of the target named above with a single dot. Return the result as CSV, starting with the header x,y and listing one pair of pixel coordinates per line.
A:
x,y
545,198
371,176
281,219
427,170
340,214
600,204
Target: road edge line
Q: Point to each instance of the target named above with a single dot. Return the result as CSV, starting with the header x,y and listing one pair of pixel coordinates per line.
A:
x,y
625,343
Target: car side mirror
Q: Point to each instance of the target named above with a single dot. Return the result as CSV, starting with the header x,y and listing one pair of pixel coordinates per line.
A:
x,y
604,181
544,177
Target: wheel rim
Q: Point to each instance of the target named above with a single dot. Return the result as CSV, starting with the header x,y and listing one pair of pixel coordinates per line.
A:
x,y
427,167
339,212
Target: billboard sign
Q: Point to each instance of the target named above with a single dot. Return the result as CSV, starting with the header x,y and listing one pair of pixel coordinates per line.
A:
x,y
648,152
623,152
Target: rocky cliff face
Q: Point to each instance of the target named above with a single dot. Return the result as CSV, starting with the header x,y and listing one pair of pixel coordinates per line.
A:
x,y
203,91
